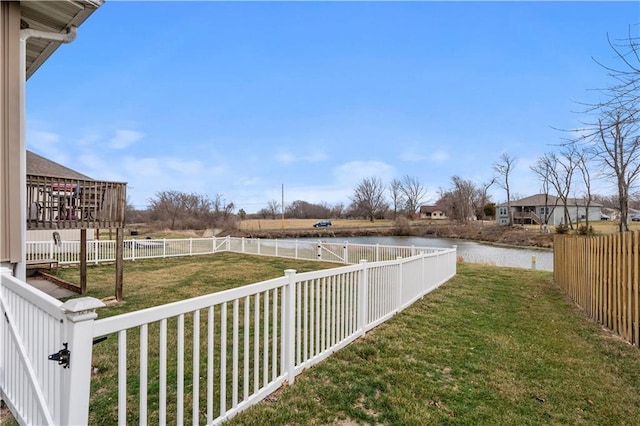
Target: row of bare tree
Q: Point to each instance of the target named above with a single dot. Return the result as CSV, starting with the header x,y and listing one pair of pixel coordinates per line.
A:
x,y
606,147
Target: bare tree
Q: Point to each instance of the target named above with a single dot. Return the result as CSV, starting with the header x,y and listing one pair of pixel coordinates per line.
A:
x,y
337,210
582,165
504,167
463,194
543,168
617,146
483,197
368,198
623,94
273,207
396,195
222,210
179,210
613,136
300,209
413,192
561,170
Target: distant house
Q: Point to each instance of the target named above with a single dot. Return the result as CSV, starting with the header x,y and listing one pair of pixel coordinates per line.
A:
x,y
536,208
432,213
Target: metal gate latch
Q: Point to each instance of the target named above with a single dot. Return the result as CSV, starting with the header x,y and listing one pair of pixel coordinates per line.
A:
x,y
62,356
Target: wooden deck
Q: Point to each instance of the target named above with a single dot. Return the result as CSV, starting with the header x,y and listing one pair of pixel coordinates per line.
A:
x,y
56,203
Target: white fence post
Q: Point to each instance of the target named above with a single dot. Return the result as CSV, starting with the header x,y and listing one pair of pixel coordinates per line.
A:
x,y
363,299
319,253
423,267
164,248
399,284
345,253
213,240
289,326
190,246
77,375
377,252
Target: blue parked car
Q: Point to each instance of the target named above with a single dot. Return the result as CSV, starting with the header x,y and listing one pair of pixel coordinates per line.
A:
x,y
322,224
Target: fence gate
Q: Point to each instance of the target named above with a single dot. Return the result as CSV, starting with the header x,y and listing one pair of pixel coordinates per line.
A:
x,y
31,330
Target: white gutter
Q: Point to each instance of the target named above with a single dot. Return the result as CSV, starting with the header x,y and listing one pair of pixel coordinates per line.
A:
x,y
20,270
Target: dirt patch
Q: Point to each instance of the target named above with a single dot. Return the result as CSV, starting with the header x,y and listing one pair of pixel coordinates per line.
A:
x,y
5,413
515,236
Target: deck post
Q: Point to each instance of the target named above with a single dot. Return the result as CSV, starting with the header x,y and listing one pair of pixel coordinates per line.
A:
x,y
119,262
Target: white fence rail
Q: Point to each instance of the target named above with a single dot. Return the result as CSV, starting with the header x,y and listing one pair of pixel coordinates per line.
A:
x,y
236,347
205,359
100,251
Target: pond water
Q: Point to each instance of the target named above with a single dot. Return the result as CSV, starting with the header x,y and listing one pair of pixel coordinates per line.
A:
x,y
470,251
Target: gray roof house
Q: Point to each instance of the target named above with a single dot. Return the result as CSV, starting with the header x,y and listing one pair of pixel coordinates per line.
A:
x,y
38,165
432,212
543,208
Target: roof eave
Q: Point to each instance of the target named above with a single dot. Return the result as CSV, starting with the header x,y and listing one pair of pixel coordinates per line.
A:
x,y
52,16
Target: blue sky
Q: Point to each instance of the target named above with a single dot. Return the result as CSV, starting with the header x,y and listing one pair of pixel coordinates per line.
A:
x,y
240,98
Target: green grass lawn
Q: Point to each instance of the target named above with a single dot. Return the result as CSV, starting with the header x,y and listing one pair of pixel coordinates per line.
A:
x,y
492,346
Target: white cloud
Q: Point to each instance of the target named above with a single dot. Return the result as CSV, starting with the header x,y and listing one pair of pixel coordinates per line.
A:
x,y
288,157
438,156
248,181
88,140
124,138
285,157
351,173
45,143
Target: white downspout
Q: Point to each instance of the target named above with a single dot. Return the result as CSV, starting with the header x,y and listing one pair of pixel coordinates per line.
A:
x,y
20,271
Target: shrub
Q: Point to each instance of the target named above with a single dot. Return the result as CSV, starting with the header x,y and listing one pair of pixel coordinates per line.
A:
x,y
402,227
584,230
563,228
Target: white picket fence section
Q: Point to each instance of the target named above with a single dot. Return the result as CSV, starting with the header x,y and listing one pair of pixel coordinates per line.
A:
x,y
212,356
100,251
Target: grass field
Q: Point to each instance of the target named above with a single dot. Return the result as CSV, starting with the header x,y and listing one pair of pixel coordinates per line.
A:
x,y
492,346
601,227
278,224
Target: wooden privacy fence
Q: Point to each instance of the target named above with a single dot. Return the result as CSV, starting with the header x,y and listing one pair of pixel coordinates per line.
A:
x,y
601,274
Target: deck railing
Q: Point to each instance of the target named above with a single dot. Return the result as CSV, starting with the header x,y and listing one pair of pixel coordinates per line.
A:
x,y
56,203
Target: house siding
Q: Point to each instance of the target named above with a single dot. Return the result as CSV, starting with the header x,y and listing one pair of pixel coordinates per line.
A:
x,y
543,206
10,110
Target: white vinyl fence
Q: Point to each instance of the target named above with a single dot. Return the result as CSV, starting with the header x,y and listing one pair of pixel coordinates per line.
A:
x,y
205,359
99,251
